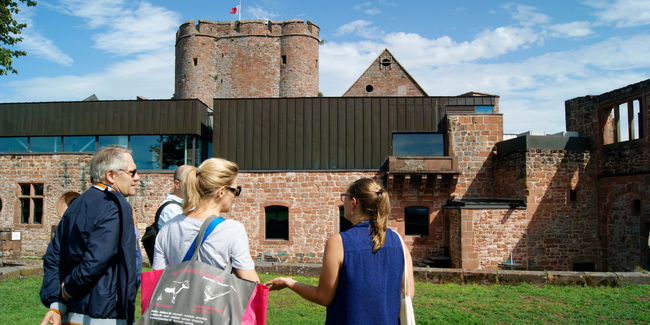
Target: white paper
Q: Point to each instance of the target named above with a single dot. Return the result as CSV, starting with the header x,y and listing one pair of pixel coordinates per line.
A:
x,y
15,235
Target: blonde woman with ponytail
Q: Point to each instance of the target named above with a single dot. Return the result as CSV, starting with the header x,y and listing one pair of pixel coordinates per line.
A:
x,y
208,190
361,278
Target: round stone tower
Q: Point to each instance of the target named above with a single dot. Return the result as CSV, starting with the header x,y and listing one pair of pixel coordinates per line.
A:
x,y
246,59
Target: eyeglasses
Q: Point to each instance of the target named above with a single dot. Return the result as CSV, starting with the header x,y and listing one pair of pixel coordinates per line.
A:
x,y
235,191
343,195
130,172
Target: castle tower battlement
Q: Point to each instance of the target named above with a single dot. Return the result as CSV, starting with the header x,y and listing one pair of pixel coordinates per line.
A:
x,y
246,59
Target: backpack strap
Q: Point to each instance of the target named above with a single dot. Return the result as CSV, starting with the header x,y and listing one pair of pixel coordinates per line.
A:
x,y
213,223
160,210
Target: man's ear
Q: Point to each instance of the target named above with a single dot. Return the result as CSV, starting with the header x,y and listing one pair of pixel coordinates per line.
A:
x,y
177,184
110,177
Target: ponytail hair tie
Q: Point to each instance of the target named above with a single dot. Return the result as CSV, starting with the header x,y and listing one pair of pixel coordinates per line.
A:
x,y
380,191
198,170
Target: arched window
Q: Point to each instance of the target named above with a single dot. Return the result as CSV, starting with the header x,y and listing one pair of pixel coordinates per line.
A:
x,y
277,222
416,220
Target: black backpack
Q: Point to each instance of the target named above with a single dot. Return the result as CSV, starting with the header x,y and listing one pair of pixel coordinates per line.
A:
x,y
149,237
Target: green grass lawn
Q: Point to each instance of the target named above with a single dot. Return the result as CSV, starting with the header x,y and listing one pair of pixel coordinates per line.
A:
x,y
434,304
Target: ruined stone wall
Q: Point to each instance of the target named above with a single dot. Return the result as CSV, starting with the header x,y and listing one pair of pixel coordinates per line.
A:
x,y
246,59
472,138
561,231
499,233
510,175
623,230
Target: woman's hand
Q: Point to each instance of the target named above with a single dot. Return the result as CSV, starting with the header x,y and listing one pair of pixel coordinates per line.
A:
x,y
279,283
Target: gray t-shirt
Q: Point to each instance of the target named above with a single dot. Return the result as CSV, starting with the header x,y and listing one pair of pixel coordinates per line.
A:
x,y
227,241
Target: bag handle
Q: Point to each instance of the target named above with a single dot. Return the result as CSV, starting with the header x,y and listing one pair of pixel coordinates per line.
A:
x,y
206,229
407,287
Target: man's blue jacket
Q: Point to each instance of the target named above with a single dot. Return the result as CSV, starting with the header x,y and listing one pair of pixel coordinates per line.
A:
x,y
94,252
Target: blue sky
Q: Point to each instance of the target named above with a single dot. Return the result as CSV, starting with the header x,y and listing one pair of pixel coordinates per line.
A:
x,y
534,54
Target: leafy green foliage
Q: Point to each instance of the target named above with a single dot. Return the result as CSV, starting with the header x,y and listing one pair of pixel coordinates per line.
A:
x,y
9,28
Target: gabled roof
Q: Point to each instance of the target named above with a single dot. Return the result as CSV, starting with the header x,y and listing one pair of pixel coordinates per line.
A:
x,y
383,78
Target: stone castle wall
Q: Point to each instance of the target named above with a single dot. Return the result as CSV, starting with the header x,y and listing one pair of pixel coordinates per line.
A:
x,y
246,59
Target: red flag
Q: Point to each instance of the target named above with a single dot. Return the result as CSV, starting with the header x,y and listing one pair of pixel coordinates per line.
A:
x,y
234,10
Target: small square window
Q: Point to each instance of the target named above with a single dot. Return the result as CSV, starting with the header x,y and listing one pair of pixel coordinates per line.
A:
x,y
277,222
416,220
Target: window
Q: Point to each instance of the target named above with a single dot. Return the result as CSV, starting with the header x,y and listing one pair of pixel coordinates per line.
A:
x,y
107,140
31,203
177,151
196,61
484,109
369,88
418,144
573,196
623,122
344,224
636,207
284,59
45,144
146,149
416,220
79,144
13,144
277,222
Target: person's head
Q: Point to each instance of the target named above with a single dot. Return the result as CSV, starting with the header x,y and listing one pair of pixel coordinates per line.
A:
x,y
114,166
369,201
178,180
213,183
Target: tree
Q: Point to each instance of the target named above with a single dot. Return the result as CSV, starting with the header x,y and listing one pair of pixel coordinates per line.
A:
x,y
9,28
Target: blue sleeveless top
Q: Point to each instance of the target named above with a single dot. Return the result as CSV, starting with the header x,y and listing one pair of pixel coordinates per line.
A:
x,y
370,284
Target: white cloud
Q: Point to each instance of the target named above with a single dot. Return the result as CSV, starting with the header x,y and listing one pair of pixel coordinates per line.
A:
x,y
128,28
373,11
526,15
360,28
259,13
146,29
573,29
623,13
147,75
44,48
361,5
390,4
38,45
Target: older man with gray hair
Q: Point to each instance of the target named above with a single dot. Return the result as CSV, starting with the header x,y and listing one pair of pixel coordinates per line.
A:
x,y
91,265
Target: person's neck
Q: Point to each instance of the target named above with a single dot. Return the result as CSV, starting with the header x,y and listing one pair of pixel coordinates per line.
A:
x,y
178,194
203,213
358,218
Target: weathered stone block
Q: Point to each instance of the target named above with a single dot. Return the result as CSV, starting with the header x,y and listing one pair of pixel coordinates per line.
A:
x,y
633,278
601,279
9,273
29,271
536,278
480,276
566,278
447,275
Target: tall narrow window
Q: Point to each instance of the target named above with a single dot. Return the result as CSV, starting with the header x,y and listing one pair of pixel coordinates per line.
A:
x,y
344,224
636,207
31,203
416,220
196,61
573,196
277,222
284,59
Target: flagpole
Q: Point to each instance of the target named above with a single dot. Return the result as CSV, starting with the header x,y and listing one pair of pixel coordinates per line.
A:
x,y
239,10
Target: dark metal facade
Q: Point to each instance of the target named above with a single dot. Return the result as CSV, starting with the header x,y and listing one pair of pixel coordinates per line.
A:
x,y
136,117
322,133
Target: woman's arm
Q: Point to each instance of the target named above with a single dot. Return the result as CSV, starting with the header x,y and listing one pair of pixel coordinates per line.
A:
x,y
329,276
409,263
250,275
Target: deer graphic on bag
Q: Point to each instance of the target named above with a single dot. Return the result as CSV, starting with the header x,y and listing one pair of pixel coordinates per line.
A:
x,y
175,290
